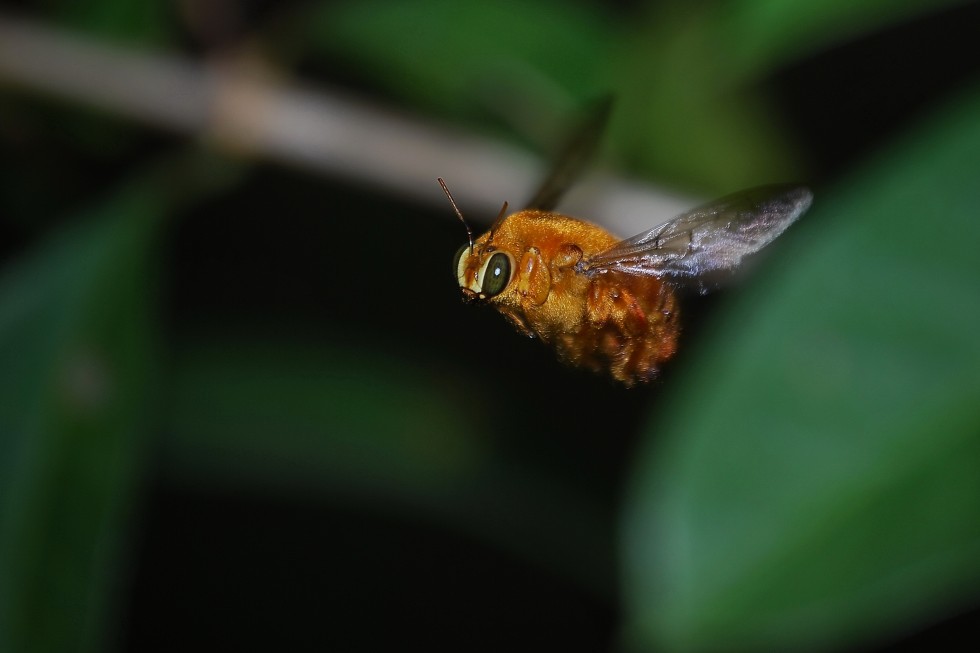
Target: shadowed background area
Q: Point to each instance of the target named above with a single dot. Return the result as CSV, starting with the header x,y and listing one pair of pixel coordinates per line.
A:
x,y
242,406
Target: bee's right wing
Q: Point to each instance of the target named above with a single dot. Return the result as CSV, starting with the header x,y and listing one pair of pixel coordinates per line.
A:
x,y
711,238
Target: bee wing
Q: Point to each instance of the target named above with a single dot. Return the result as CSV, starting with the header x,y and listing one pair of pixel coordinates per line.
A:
x,y
573,157
708,239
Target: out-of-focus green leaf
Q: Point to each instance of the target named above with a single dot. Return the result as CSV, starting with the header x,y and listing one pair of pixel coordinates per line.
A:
x,y
145,23
682,115
816,479
76,387
371,428
512,57
75,357
764,35
241,400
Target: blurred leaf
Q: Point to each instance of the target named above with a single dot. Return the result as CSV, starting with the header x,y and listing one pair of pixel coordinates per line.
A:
x,y
368,427
816,480
76,359
680,112
146,23
767,34
523,59
75,355
683,116
242,400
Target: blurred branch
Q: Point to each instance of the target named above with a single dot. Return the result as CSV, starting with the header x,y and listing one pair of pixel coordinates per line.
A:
x,y
239,110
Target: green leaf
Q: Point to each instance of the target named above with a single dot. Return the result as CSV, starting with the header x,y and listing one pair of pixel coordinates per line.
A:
x,y
815,481
75,358
681,113
764,35
511,57
146,23
353,422
683,116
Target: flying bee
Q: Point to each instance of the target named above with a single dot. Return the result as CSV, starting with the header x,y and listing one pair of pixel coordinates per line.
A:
x,y
603,303
608,304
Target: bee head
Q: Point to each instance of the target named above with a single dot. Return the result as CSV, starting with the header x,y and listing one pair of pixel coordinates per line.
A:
x,y
492,269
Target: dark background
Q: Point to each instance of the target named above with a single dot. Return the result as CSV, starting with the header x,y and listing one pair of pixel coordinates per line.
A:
x,y
294,317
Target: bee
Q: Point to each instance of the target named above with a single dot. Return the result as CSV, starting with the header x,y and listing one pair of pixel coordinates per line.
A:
x,y
602,303
611,305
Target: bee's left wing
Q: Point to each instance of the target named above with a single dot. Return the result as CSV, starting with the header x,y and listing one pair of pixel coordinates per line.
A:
x,y
712,238
574,156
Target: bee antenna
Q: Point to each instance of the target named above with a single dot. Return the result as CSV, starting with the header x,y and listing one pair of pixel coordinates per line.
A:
x,y
496,223
469,232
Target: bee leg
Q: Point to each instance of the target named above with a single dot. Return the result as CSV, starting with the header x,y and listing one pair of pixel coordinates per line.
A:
x,y
632,326
519,322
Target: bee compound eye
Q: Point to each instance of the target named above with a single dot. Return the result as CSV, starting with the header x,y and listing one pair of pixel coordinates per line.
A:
x,y
496,274
458,269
